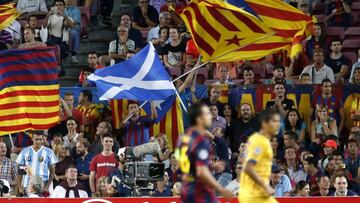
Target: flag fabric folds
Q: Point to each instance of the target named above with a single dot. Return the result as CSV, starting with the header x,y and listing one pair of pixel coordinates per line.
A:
x,y
8,14
219,28
143,77
291,27
29,90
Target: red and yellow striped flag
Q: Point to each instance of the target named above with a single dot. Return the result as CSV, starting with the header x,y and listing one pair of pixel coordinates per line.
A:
x,y
8,14
291,27
219,28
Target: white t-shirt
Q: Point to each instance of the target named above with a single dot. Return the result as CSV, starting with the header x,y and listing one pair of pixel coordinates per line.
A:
x,y
60,192
320,75
233,186
15,30
55,23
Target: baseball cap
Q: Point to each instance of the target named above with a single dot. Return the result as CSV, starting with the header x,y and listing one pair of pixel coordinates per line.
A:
x,y
330,143
276,168
191,48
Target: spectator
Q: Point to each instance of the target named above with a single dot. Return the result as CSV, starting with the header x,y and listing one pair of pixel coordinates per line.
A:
x,y
214,97
302,5
85,74
153,35
93,64
242,127
118,48
223,76
74,14
324,186
249,77
355,80
278,76
333,104
104,128
103,163
319,70
162,188
317,40
13,33
101,187
134,34
302,189
163,38
354,66
330,147
72,137
337,61
174,171
28,8
37,155
83,162
280,182
176,190
175,18
280,103
290,140
234,185
174,52
229,113
136,130
353,160
323,125
70,188
9,168
305,79
157,4
292,167
311,168
341,187
277,153
65,161
35,187
90,112
338,13
145,16
294,123
218,122
76,114
191,54
33,24
29,36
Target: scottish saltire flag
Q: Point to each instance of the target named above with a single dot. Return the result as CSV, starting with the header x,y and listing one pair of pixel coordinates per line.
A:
x,y
143,77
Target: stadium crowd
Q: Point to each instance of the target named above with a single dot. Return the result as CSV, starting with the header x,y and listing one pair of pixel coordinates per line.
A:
x,y
315,156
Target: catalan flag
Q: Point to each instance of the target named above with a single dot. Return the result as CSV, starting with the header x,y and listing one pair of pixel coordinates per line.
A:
x,y
8,14
29,90
291,27
219,28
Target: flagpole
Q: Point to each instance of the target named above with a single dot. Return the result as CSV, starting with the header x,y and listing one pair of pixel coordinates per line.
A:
x,y
181,101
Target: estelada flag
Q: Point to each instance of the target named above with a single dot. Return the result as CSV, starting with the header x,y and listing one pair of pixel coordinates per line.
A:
x,y
8,14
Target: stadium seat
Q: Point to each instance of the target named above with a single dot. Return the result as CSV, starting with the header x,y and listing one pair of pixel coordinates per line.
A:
x,y
258,70
335,31
351,45
355,6
355,19
351,56
238,81
319,9
352,33
209,82
201,71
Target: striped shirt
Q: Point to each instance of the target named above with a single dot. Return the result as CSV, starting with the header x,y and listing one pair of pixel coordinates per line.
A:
x,y
39,161
137,132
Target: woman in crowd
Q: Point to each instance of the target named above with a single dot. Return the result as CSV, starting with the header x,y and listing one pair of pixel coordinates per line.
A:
x,y
317,40
302,189
174,52
294,123
323,125
65,161
101,190
275,147
228,113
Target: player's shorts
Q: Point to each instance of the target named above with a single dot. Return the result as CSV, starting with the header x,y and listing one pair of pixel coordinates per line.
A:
x,y
257,200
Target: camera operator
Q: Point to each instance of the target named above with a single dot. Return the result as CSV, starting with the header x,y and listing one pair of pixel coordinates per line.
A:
x,y
4,188
116,187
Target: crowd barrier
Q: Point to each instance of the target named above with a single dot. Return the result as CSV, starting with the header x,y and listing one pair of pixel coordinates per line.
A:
x,y
174,200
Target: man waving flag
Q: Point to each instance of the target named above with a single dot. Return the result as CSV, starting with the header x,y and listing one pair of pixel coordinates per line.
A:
x,y
143,77
219,28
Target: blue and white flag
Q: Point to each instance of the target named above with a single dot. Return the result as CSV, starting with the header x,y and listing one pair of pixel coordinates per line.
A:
x,y
142,77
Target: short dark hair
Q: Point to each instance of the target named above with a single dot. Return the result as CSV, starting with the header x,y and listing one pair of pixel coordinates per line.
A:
x,y
300,185
176,28
88,69
92,52
37,132
279,83
62,1
352,141
336,39
292,135
69,167
71,119
304,75
107,135
318,51
318,178
312,161
194,112
325,81
248,68
68,94
266,115
31,16
126,14
279,67
162,28
337,153
88,94
131,102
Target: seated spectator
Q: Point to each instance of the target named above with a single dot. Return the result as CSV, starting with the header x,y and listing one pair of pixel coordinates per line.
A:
x,y
174,17
87,83
302,189
35,188
280,102
329,149
174,52
338,13
192,54
354,66
341,187
176,190
290,140
118,48
70,187
323,125
65,161
278,76
324,186
311,168
92,63
293,122
305,79
231,66
33,23
33,7
337,61
74,13
292,166
145,16
163,38
173,171
280,182
29,36
229,113
319,70
134,34
355,106
234,185
277,153
162,188
224,76
317,40
356,77
213,98
353,160
153,35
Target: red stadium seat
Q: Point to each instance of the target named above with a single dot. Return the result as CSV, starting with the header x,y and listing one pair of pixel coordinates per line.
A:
x,y
351,45
355,19
201,71
355,6
319,9
351,56
352,33
335,31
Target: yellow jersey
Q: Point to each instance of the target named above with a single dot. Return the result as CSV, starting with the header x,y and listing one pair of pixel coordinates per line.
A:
x,y
259,151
